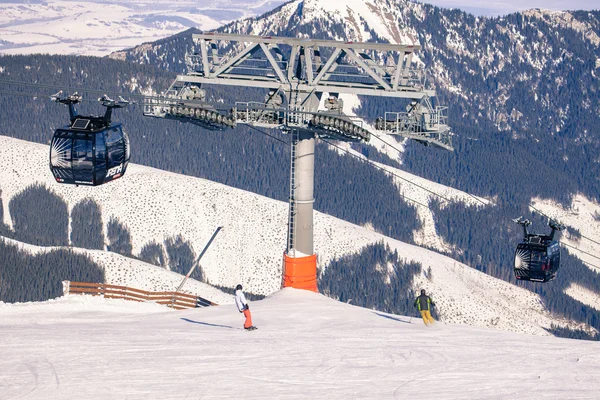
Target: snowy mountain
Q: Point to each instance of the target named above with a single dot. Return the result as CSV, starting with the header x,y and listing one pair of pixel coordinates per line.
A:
x,y
465,54
306,347
155,205
523,92
101,27
543,65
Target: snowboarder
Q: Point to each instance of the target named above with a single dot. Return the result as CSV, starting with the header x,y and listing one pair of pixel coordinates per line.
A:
x,y
424,303
242,305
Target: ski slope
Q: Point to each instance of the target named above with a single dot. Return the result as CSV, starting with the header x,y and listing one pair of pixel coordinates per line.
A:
x,y
307,347
156,205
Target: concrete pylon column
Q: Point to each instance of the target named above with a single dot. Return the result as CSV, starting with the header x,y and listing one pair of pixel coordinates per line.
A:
x,y
304,193
300,262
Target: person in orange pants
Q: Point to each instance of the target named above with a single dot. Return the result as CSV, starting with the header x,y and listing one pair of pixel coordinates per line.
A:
x,y
424,303
242,305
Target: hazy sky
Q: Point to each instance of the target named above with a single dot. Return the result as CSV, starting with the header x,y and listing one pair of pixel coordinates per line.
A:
x,y
502,7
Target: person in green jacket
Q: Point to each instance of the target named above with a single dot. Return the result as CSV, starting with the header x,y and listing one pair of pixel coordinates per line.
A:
x,y
424,303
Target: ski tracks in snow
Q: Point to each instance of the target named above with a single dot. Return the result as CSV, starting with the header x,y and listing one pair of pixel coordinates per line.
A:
x,y
426,358
43,379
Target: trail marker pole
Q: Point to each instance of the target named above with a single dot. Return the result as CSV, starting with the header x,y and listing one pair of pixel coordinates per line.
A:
x,y
193,267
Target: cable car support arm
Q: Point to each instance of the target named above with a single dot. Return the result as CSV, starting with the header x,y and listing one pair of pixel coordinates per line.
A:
x,y
296,73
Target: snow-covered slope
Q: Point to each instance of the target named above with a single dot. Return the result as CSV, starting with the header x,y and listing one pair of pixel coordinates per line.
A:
x,y
99,27
584,215
306,347
130,272
156,205
410,186
584,296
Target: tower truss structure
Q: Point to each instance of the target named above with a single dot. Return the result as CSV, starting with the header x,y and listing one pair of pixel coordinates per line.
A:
x,y
302,80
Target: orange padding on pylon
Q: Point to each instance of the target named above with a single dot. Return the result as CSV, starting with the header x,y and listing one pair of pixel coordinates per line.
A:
x,y
300,272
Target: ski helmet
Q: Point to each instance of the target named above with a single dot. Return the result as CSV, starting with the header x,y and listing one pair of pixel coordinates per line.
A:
x,y
238,287
423,291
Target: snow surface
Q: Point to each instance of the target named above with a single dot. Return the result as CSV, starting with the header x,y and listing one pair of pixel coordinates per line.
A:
x,y
101,27
361,17
156,205
584,215
307,347
584,295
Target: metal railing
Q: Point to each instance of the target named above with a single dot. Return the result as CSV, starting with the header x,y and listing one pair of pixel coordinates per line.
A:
x,y
429,127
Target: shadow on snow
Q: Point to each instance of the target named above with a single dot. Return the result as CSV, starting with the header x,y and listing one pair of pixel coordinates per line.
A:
x,y
207,324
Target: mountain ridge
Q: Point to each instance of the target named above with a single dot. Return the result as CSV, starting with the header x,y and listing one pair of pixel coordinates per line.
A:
x,y
524,87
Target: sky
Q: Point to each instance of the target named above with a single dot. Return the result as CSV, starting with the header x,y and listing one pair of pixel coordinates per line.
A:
x,y
483,7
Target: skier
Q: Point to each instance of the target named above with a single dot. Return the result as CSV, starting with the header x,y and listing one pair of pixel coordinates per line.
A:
x,y
242,305
424,303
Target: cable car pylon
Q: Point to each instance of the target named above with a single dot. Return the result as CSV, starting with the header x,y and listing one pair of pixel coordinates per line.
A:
x,y
298,76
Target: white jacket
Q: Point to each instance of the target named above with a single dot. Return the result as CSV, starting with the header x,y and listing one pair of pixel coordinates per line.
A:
x,y
240,300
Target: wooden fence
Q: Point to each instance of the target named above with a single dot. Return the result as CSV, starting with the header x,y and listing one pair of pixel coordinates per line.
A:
x,y
176,300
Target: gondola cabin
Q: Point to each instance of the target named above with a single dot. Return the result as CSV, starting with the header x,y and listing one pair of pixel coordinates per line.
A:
x,y
537,263
537,257
90,150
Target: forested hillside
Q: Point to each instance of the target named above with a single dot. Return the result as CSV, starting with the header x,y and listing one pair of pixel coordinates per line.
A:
x,y
523,90
25,277
241,158
375,278
40,217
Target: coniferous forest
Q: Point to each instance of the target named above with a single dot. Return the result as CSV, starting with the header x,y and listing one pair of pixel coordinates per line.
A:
x,y
375,278
25,277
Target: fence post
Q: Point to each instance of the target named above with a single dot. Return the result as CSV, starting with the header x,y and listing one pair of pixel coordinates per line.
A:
x,y
170,299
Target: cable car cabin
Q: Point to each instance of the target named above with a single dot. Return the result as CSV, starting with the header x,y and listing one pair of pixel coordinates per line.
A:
x,y
91,157
537,263
537,257
90,150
